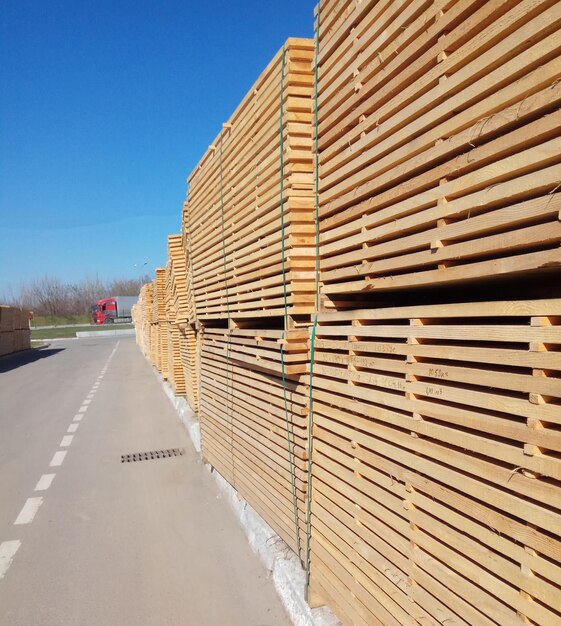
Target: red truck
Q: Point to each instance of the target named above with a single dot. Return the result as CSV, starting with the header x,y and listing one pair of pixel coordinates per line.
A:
x,y
116,309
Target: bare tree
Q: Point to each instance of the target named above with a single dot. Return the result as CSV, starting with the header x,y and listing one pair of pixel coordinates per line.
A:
x,y
49,295
12,296
86,293
126,286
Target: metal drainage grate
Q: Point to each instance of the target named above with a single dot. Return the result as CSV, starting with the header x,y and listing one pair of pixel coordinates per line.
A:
x,y
154,454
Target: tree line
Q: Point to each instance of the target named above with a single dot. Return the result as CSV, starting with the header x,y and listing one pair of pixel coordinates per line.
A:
x,y
50,295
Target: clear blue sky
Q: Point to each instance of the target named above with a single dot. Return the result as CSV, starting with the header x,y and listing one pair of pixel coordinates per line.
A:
x,y
105,108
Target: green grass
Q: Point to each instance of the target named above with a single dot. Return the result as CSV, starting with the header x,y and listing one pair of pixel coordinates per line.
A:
x,y
56,320
60,333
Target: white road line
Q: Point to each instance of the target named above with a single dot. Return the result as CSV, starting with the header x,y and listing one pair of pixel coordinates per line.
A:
x,y
90,396
83,409
29,510
66,441
58,458
86,401
72,428
8,550
78,418
44,482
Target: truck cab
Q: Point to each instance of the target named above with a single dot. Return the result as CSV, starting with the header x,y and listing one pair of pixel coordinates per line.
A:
x,y
114,309
104,311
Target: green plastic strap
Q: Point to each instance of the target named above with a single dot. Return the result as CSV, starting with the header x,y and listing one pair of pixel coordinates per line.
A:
x,y
289,430
314,327
229,374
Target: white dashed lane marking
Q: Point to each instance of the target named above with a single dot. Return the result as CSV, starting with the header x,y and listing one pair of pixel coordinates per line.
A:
x,y
8,549
58,458
29,510
44,482
7,552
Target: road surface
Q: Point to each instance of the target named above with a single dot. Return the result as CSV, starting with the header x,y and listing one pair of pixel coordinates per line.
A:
x,y
88,540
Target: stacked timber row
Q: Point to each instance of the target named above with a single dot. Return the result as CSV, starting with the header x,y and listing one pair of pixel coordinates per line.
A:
x,y
234,213
249,221
188,312
189,350
15,334
439,148
436,377
160,325
175,269
164,328
436,472
254,432
436,465
140,321
142,318
190,337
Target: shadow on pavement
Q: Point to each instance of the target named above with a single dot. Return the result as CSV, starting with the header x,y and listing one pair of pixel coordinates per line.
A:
x,y
17,359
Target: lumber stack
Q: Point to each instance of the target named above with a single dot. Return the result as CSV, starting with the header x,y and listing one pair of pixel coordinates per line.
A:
x,y
175,367
174,295
261,348
177,259
250,214
233,216
159,327
436,463
439,148
436,477
189,313
435,378
15,334
142,317
189,351
254,437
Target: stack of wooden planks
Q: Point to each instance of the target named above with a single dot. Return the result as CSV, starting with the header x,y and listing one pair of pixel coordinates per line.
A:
x,y
436,466
250,226
189,313
233,215
439,147
15,334
189,350
159,336
433,360
142,318
437,441
261,348
175,268
254,432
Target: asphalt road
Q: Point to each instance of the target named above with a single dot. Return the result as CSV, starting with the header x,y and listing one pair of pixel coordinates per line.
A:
x,y
88,540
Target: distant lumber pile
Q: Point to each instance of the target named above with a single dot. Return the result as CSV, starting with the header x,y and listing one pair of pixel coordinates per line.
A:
x,y
15,334
364,308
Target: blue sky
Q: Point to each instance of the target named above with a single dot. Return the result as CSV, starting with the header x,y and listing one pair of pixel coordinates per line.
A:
x,y
105,108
